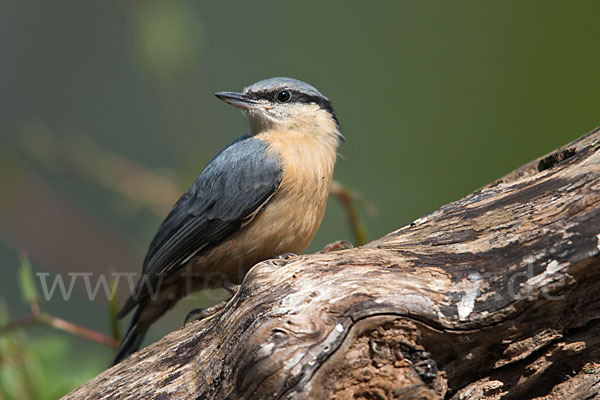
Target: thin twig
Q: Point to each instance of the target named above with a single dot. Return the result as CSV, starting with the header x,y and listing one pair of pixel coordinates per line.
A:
x,y
17,324
60,324
37,317
79,330
358,228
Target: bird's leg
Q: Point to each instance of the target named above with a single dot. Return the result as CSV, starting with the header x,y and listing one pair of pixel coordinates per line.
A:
x,y
201,313
231,288
337,245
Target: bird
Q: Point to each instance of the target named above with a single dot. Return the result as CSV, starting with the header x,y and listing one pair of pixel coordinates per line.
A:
x,y
262,196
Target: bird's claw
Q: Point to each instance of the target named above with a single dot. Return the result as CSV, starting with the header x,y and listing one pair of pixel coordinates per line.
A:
x,y
337,245
201,313
231,288
193,313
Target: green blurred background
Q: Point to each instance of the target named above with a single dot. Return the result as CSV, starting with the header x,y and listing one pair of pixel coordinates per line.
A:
x,y
107,110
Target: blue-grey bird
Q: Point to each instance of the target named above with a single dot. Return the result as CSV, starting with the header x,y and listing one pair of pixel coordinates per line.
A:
x,y
262,196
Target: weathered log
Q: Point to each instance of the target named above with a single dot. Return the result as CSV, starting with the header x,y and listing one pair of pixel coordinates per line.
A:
x,y
494,296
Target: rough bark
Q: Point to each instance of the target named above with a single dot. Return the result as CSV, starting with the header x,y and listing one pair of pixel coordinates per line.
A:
x,y
495,296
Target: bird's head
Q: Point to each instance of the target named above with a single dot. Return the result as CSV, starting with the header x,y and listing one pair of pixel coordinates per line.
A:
x,y
285,103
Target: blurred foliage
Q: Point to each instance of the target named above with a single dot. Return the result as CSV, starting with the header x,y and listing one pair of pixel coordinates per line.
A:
x,y
26,280
44,367
41,367
108,114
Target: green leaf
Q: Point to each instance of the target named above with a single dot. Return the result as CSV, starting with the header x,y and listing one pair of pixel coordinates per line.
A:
x,y
26,280
4,315
113,310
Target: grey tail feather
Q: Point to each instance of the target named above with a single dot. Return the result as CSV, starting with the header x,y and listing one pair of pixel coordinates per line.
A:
x,y
132,340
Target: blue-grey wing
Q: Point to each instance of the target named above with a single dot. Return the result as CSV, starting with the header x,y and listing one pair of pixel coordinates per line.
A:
x,y
232,187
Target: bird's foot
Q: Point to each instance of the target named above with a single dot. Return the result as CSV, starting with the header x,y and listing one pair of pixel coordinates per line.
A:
x,y
201,313
337,245
231,288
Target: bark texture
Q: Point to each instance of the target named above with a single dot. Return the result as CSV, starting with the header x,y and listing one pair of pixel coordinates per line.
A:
x,y
495,296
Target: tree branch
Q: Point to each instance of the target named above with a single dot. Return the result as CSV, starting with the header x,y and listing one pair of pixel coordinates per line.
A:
x,y
494,296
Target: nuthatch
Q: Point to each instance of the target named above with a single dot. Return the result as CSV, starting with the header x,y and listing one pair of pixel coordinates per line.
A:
x,y
262,196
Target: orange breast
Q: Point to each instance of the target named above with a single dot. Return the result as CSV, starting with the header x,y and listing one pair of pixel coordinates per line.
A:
x,y
289,220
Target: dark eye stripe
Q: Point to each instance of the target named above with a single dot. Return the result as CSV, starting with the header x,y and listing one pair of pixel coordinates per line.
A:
x,y
297,97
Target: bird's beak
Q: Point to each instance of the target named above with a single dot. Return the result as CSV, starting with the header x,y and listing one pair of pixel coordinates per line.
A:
x,y
238,100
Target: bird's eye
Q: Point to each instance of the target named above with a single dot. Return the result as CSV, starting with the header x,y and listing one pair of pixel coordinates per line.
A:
x,y
284,96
